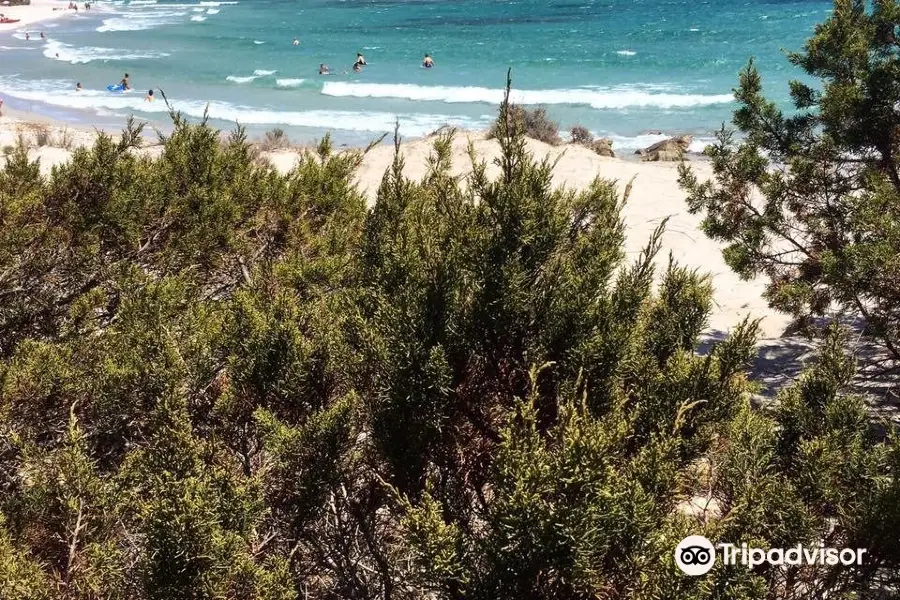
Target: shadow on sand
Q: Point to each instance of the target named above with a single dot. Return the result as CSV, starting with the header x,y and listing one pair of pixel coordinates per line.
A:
x,y
779,361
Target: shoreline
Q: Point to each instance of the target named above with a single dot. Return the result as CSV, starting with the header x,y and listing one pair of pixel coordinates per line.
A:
x,y
83,114
38,11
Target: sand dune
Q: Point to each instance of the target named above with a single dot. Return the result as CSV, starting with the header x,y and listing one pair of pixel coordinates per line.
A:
x,y
655,196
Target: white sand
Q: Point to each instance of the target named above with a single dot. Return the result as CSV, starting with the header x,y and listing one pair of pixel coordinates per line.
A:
x,y
38,11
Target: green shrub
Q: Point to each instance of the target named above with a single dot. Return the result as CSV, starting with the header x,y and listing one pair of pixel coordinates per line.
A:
x,y
218,381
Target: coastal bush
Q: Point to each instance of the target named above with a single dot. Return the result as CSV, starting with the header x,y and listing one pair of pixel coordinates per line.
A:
x,y
274,139
219,381
42,135
65,139
534,123
581,135
810,199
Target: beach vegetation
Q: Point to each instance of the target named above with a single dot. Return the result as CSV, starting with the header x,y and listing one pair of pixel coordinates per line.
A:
x,y
533,123
64,139
579,134
42,135
274,140
810,198
221,381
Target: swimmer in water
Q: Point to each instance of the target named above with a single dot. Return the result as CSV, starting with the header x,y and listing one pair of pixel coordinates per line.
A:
x,y
78,87
149,97
296,42
357,68
323,69
360,60
427,62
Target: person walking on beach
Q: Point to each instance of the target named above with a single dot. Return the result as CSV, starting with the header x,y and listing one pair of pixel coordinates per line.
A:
x,y
427,62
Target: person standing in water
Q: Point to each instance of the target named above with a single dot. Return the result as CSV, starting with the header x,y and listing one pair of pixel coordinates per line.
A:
x,y
149,97
126,82
78,87
427,62
360,60
323,69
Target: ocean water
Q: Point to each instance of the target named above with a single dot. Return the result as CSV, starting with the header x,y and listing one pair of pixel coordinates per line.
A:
x,y
622,68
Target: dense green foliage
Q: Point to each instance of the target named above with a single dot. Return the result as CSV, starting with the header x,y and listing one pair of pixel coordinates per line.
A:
x,y
217,381
811,199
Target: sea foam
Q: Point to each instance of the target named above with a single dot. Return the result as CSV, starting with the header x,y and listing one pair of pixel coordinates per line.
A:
x,y
60,94
85,54
596,98
248,78
629,144
289,83
139,20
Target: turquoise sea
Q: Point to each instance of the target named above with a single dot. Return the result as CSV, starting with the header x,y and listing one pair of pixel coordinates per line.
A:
x,y
620,67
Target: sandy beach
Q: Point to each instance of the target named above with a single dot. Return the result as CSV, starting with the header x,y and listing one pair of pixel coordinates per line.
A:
x,y
38,11
655,196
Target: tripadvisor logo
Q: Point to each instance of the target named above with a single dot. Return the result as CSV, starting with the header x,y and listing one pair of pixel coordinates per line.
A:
x,y
696,555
